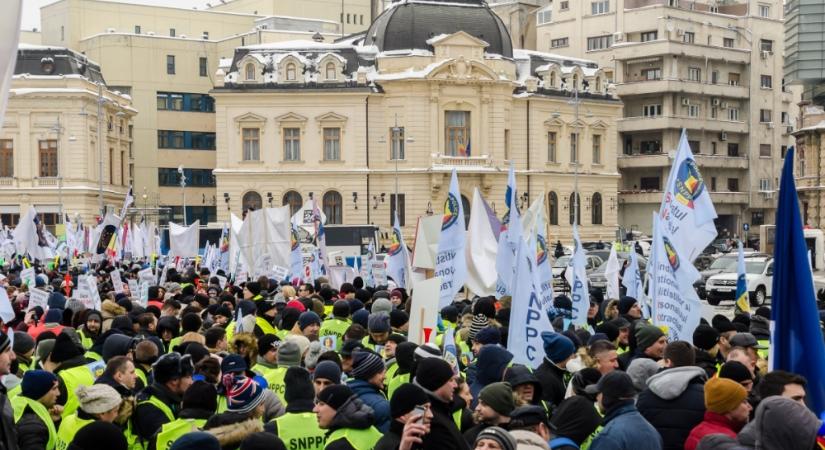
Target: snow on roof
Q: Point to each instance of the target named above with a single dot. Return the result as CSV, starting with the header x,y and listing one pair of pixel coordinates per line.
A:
x,y
299,45
186,5
409,73
225,63
525,54
819,126
405,52
436,39
24,46
333,55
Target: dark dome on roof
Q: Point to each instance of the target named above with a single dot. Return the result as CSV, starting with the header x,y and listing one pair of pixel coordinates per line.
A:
x,y
409,24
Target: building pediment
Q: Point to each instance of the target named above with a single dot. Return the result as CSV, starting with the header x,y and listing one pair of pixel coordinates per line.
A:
x,y
554,122
331,117
461,69
600,124
459,38
290,117
250,117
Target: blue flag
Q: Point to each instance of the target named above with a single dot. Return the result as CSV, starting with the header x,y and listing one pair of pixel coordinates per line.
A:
x,y
796,343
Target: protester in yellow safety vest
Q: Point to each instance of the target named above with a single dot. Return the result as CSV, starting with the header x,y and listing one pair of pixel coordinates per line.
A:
x,y
404,361
252,291
749,343
36,409
336,326
159,402
266,313
326,374
23,352
309,324
243,415
389,354
97,403
378,327
200,402
298,428
97,435
404,408
168,329
146,353
67,362
90,330
267,364
347,421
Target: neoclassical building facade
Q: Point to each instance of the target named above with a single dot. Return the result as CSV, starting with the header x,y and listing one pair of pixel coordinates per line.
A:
x,y
378,121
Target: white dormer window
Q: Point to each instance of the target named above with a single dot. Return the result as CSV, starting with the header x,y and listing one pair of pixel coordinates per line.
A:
x,y
250,72
330,69
290,72
576,81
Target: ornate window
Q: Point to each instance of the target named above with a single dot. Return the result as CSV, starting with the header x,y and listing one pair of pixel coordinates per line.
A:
x,y
596,209
333,208
291,72
457,131
252,201
553,203
575,210
251,144
330,71
294,200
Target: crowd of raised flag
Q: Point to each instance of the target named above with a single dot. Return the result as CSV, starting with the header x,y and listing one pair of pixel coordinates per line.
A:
x,y
253,344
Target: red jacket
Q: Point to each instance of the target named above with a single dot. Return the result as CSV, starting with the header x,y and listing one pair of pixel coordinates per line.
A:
x,y
713,423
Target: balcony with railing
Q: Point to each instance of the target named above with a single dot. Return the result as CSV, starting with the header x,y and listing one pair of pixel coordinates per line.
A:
x,y
645,123
628,51
47,181
441,160
682,86
655,196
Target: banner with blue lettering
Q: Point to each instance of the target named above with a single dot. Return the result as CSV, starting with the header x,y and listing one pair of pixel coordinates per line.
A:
x,y
676,304
450,262
576,275
508,241
687,210
544,271
398,264
528,316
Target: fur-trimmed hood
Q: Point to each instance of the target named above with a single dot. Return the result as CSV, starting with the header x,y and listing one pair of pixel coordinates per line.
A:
x,y
110,309
231,435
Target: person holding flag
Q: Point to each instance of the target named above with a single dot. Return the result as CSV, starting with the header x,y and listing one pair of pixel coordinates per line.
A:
x,y
743,304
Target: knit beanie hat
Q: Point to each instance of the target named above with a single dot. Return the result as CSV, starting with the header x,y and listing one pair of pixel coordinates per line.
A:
x,y
201,395
116,345
432,373
267,343
335,396
736,371
379,322
315,350
705,337
198,440
36,383
499,397
100,435
488,335
557,347
295,304
485,306
53,315
327,370
361,317
647,335
254,287
450,313
56,301
289,354
479,322
365,364
625,303
380,305
398,317
23,343
64,348
298,385
98,398
262,441
243,395
308,318
504,439
723,395
405,398
340,309
233,363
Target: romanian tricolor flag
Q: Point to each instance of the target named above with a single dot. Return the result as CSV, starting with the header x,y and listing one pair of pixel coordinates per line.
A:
x,y
742,301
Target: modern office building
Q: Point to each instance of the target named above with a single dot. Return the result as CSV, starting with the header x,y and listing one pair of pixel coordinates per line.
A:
x,y
713,68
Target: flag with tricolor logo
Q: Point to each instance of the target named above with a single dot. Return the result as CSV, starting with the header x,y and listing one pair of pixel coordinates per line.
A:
x,y
742,302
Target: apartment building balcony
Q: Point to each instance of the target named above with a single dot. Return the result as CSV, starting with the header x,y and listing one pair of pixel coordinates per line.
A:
x,y
642,161
642,123
681,86
650,196
8,181
627,51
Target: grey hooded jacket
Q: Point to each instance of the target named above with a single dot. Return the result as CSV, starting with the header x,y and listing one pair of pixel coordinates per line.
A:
x,y
674,403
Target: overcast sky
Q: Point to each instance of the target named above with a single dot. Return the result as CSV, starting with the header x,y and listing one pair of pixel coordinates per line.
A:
x,y
31,8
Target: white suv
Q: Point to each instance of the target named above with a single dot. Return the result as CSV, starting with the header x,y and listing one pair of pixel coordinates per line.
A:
x,y
759,278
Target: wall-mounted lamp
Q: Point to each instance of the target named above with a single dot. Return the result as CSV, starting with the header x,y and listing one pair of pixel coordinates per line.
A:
x,y
310,195
226,200
355,200
378,199
429,208
269,198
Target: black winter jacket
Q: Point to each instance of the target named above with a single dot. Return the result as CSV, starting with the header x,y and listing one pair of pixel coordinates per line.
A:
x,y
32,433
147,418
674,403
444,434
551,379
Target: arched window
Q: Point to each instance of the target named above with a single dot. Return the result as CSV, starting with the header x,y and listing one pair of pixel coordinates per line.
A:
x,y
290,72
596,209
333,208
575,209
576,81
250,72
294,200
252,201
552,79
598,85
331,71
553,203
465,205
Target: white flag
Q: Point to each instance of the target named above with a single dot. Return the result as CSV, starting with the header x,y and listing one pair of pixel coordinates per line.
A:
x,y
450,261
676,304
544,272
528,316
482,249
183,241
686,210
30,237
576,275
6,310
509,239
611,273
296,259
9,35
398,264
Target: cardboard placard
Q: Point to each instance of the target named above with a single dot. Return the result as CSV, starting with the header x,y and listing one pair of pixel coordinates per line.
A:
x,y
117,282
222,281
27,276
134,288
147,275
279,273
426,242
143,300
38,297
424,312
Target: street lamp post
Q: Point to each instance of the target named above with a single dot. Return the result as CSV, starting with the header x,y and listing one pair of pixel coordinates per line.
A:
x,y
58,129
183,191
100,148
